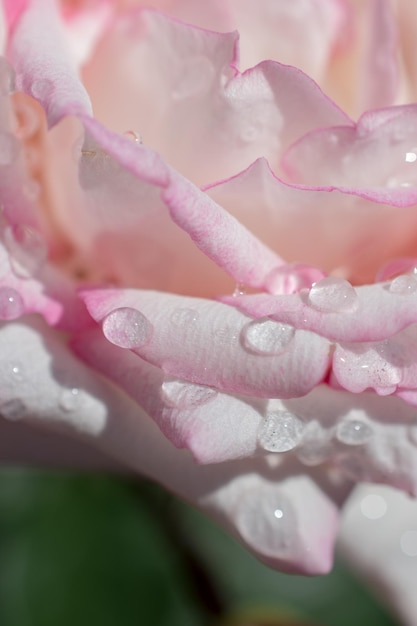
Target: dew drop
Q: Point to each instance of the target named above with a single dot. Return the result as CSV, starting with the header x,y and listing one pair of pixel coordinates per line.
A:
x,y
267,337
184,317
196,78
27,249
292,278
13,409
11,304
6,77
354,432
127,328
333,295
281,431
408,543
16,371
267,521
239,290
403,285
134,135
373,506
69,399
9,148
184,395
42,88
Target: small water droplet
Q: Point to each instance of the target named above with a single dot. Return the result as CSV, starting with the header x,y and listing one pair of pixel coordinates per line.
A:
x,y
42,88
292,278
267,522
27,249
184,395
267,337
408,543
184,316
281,431
410,157
69,399
333,295
196,78
239,290
16,370
127,328
403,285
9,148
354,432
134,135
373,506
11,304
13,409
6,77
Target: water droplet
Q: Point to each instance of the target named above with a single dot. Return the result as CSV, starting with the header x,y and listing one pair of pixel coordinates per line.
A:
x,y
267,337
267,522
42,88
196,78
127,328
280,432
410,157
9,148
69,399
184,316
184,395
403,285
11,304
373,506
333,295
292,278
240,290
16,371
13,409
408,542
134,135
353,432
6,77
27,249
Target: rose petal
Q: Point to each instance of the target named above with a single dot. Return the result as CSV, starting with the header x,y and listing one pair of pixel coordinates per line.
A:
x,y
200,341
378,311
233,118
43,67
216,427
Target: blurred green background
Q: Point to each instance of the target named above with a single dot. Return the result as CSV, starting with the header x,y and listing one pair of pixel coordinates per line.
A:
x,y
91,550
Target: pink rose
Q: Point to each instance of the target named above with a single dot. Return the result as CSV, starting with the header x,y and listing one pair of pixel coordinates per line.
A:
x,y
213,277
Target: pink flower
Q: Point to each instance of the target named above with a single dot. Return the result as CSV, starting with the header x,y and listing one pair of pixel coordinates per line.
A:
x,y
223,299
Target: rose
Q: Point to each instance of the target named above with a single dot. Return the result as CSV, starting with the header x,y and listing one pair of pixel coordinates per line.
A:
x,y
279,391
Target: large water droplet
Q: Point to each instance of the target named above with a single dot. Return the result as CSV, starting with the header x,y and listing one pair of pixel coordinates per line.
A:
x,y
184,316
69,399
127,328
403,285
11,304
281,431
184,395
354,432
9,148
333,295
27,249
267,522
196,78
6,77
267,337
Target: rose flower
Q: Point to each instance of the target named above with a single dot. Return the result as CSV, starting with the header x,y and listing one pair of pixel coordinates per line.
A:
x,y
208,267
